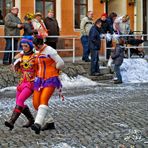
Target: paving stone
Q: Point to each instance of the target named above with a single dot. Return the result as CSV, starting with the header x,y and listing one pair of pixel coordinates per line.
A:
x,y
104,116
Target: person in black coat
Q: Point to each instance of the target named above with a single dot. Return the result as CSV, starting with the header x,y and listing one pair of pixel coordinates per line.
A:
x,y
118,56
53,29
28,26
94,46
106,28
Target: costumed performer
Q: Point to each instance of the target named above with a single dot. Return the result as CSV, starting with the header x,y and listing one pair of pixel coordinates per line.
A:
x,y
49,63
24,65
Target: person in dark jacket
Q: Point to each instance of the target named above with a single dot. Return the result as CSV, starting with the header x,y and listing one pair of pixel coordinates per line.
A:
x,y
13,25
111,18
53,29
106,28
28,26
118,56
94,43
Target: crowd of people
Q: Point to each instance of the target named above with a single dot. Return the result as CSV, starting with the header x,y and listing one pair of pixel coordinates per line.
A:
x,y
93,31
33,24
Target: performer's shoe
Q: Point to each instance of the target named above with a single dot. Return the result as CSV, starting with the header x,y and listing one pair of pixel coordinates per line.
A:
x,y
16,113
36,127
9,124
48,126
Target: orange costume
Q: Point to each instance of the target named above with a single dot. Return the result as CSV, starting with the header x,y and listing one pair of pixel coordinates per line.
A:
x,y
48,65
47,77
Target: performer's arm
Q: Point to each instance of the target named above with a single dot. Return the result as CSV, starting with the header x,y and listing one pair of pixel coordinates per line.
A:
x,y
58,60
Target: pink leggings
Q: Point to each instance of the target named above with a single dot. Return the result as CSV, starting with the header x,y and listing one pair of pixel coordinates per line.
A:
x,y
24,91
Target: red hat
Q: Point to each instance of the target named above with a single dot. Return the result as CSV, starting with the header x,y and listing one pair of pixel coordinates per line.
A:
x,y
104,14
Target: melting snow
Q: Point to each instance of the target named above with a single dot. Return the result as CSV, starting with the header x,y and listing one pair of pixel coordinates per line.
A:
x,y
76,81
134,70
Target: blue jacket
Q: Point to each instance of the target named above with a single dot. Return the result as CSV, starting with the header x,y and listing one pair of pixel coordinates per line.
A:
x,y
118,55
94,40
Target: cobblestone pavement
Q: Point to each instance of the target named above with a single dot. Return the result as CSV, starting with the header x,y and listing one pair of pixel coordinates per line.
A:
x,y
102,116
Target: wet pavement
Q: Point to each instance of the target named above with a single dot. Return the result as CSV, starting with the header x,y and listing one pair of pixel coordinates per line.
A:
x,y
101,116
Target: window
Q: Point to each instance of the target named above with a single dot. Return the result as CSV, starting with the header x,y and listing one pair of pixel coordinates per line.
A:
x,y
5,6
80,11
44,5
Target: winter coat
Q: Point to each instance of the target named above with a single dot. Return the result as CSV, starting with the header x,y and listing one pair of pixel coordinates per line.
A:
x,y
85,26
52,27
118,55
28,29
106,27
94,40
11,22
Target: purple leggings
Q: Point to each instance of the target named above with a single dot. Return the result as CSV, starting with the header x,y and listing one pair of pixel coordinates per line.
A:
x,y
24,91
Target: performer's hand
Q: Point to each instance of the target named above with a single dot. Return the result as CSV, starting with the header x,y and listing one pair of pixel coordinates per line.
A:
x,y
60,72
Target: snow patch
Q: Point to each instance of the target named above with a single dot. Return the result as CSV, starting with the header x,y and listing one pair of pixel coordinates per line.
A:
x,y
134,71
78,81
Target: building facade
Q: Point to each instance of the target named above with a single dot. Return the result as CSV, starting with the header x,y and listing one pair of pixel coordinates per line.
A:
x,y
70,12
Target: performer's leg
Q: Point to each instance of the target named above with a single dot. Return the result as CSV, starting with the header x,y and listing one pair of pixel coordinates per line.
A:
x,y
21,98
26,111
16,113
39,120
36,99
43,108
46,95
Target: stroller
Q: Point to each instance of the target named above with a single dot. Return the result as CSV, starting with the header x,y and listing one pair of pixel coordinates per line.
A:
x,y
135,41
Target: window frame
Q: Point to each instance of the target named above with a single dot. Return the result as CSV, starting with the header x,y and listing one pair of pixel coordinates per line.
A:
x,y
4,8
78,4
43,4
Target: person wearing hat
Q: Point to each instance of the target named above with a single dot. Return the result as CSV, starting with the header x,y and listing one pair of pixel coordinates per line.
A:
x,y
25,65
39,25
53,29
13,25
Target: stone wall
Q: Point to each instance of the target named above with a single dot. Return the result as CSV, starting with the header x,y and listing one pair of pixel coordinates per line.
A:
x,y
10,78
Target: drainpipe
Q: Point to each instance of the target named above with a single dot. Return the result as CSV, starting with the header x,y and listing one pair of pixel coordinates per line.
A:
x,y
106,6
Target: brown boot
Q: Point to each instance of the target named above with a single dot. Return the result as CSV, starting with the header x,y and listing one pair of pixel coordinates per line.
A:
x,y
28,115
16,113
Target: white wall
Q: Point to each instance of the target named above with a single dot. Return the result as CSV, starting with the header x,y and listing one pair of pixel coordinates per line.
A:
x,y
90,5
58,12
18,5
